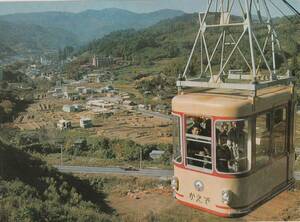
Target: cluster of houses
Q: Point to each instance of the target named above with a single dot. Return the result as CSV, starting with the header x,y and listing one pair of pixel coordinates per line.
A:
x,y
83,123
43,67
76,93
112,104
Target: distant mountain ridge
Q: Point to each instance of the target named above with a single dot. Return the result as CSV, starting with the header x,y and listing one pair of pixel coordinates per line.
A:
x,y
92,24
26,38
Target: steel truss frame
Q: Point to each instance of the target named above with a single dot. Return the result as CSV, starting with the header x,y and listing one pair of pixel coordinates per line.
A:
x,y
217,79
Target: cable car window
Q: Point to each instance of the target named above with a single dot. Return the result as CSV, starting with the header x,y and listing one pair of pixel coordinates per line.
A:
x,y
263,139
198,140
232,146
279,132
177,154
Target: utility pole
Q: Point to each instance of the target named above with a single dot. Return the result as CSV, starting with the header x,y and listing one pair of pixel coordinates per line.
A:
x,y
61,155
141,157
61,144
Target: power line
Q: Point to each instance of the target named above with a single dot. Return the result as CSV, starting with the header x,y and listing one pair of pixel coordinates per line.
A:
x,y
275,6
291,7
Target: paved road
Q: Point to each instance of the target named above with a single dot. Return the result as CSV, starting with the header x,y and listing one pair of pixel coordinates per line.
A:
x,y
156,114
156,173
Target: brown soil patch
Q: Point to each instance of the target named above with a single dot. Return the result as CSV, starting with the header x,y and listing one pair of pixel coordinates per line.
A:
x,y
282,207
123,125
141,205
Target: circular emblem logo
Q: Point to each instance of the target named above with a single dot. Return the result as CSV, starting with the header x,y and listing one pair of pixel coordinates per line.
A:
x,y
199,186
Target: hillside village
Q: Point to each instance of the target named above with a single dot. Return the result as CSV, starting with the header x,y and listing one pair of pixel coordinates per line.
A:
x,y
105,104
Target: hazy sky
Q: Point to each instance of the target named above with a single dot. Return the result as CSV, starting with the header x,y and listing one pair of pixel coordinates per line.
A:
x,y
15,6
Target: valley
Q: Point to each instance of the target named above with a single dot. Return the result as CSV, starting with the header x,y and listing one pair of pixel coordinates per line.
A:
x,y
94,89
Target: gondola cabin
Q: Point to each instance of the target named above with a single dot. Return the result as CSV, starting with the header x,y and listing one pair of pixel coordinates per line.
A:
x,y
233,151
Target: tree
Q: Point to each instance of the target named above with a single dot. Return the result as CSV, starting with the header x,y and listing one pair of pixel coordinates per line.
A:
x,y
3,85
105,148
173,51
294,67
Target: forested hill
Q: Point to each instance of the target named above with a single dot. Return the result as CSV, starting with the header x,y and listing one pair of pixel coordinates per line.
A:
x,y
168,38
18,39
34,33
92,24
174,38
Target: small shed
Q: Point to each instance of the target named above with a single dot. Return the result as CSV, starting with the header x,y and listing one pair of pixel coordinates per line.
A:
x,y
141,106
156,154
128,103
86,123
87,91
71,95
64,124
69,108
80,89
58,90
78,107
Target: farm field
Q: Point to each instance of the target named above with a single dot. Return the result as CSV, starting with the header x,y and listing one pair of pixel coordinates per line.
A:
x,y
124,124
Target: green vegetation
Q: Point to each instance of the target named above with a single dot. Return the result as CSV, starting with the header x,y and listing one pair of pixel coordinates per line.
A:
x,y
158,54
72,69
11,74
174,39
12,102
89,24
156,85
120,185
25,34
80,145
17,90
32,191
167,39
297,165
18,39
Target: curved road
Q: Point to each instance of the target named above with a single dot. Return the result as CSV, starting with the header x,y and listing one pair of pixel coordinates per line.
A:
x,y
156,173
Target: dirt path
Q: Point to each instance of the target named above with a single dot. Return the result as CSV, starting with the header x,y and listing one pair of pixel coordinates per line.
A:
x,y
159,205
283,207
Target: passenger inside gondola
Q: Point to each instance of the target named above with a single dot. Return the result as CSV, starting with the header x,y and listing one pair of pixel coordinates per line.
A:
x,y
231,138
198,142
